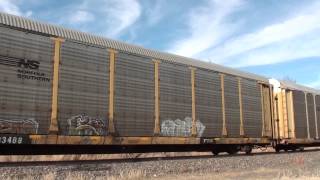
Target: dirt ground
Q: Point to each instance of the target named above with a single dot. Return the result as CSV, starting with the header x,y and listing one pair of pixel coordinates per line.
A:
x,y
297,165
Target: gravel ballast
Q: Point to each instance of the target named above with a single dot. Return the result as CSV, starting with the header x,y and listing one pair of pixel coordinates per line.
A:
x,y
265,166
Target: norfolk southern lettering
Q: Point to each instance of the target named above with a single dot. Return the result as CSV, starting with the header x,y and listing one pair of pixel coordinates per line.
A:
x,y
32,75
28,69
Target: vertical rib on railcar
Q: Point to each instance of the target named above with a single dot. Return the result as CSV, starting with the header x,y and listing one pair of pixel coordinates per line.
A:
x,y
317,98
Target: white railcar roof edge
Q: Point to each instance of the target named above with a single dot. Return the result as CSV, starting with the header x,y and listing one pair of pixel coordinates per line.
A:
x,y
294,86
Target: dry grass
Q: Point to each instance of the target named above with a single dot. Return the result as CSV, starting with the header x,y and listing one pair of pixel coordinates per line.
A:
x,y
131,175
261,173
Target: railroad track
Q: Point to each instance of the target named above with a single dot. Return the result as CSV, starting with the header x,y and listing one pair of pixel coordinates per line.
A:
x,y
80,163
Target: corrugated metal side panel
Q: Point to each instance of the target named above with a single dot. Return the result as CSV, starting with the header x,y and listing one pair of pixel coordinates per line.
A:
x,y
252,110
175,100
83,90
20,22
312,123
300,114
134,95
208,102
232,107
25,102
318,111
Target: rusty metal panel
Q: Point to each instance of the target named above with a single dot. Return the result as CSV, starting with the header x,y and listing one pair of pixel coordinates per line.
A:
x,y
25,82
252,110
312,123
83,89
134,95
232,105
208,102
300,117
176,100
318,111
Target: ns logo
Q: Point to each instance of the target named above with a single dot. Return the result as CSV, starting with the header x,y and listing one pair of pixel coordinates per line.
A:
x,y
28,64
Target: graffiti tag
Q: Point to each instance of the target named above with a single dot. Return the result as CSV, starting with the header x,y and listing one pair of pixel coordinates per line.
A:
x,y
181,127
85,125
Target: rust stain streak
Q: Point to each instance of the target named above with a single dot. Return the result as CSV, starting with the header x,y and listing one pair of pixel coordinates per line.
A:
x,y
193,91
307,113
315,115
240,106
224,125
262,111
112,58
157,98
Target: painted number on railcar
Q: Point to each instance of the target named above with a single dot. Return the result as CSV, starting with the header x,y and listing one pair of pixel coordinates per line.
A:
x,y
13,139
207,141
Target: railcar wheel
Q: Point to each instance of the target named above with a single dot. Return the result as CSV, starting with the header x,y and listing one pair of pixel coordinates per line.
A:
x,y
215,152
277,149
293,148
248,150
301,149
232,150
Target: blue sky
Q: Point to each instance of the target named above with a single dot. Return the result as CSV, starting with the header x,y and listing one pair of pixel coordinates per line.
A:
x,y
278,39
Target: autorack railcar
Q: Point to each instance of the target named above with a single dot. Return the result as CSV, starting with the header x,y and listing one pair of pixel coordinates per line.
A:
x,y
64,91
297,116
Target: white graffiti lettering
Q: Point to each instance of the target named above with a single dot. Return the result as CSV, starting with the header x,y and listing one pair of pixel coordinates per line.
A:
x,y
85,125
23,126
181,127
